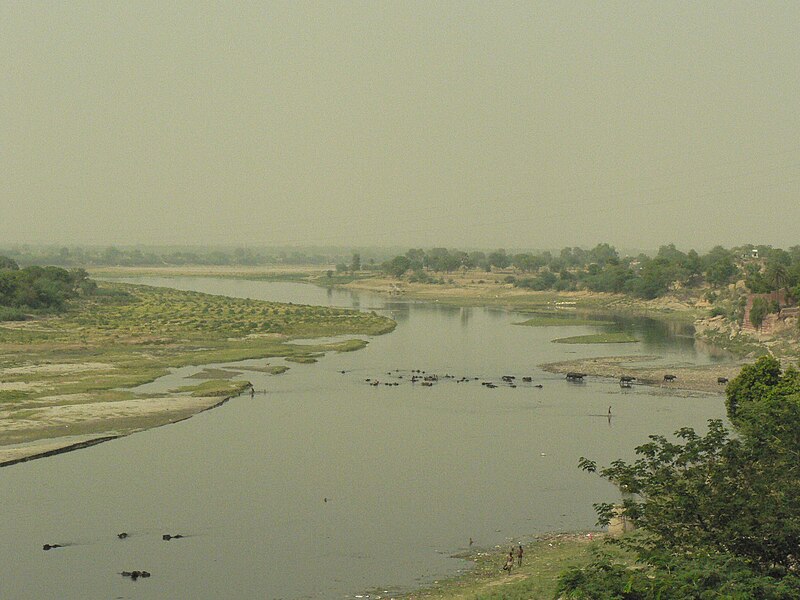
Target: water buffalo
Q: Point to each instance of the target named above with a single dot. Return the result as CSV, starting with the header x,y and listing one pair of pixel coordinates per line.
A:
x,y
135,574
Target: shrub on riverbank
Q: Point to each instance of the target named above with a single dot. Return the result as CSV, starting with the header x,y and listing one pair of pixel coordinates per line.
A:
x,y
720,514
43,289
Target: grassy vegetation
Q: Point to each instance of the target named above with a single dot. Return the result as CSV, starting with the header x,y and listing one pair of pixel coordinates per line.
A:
x,y
228,272
544,560
127,335
7,313
303,360
560,320
598,338
215,387
309,275
212,373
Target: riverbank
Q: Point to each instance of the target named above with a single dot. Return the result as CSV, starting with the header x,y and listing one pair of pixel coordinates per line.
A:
x,y
66,381
487,289
545,557
462,288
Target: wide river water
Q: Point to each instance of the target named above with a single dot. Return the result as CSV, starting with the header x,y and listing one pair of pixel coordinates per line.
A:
x,y
322,486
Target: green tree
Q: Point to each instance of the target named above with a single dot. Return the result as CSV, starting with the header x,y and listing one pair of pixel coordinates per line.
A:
x,y
719,266
603,254
499,259
355,263
7,263
777,275
760,381
398,266
758,312
719,514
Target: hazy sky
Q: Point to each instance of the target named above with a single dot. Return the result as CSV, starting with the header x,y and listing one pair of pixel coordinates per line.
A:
x,y
491,124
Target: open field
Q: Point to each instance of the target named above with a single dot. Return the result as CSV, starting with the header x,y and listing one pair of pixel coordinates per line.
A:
x,y
65,377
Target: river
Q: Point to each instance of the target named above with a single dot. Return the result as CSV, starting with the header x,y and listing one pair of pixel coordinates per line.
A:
x,y
323,486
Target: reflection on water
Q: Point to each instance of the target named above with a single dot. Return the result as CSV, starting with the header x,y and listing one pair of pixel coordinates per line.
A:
x,y
324,486
466,313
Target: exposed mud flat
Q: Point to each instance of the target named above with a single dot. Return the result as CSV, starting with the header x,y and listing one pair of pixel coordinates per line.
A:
x,y
703,378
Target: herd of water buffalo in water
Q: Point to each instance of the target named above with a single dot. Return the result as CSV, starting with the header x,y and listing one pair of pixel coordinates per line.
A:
x,y
134,575
428,380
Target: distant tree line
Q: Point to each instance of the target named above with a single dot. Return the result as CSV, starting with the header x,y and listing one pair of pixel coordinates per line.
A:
x,y
602,269
80,256
40,289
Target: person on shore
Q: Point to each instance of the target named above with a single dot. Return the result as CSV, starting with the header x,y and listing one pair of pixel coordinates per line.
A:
x,y
519,556
509,562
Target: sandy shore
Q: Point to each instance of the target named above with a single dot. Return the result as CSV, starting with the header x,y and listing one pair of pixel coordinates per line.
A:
x,y
480,288
61,428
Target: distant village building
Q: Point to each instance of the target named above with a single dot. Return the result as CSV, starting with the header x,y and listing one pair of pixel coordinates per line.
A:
x,y
751,254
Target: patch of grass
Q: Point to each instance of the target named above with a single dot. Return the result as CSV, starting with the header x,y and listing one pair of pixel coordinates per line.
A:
x,y
14,395
304,360
347,345
598,338
214,374
215,387
271,369
561,320
7,313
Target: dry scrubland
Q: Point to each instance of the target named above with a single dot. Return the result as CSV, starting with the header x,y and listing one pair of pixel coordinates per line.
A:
x,y
65,380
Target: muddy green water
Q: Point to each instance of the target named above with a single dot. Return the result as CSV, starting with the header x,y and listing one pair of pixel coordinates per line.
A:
x,y
410,473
